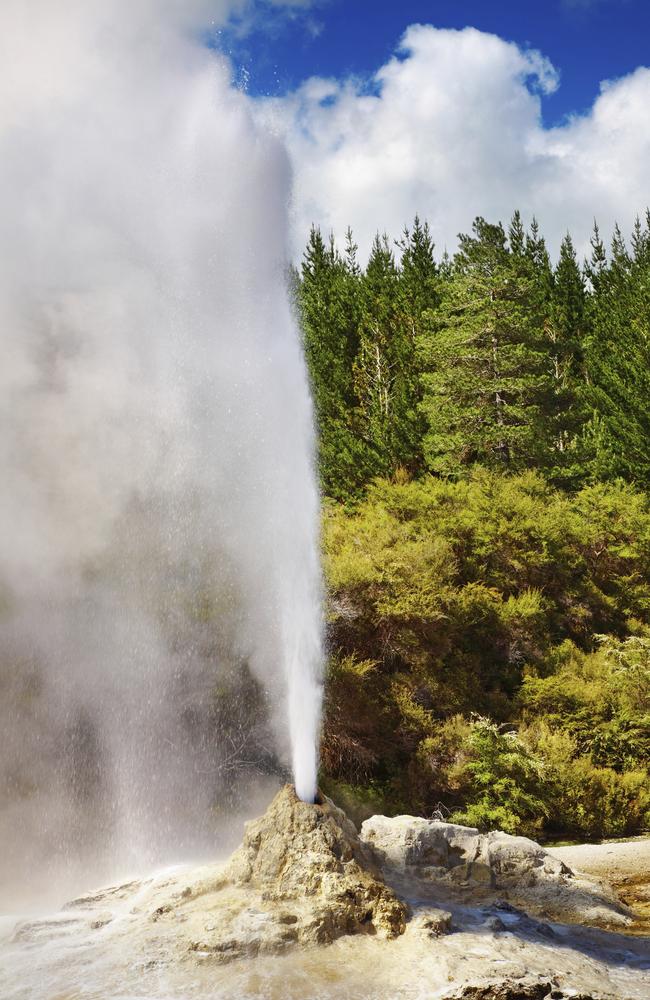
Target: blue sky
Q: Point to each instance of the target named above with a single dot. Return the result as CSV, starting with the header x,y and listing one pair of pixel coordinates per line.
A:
x,y
586,40
452,110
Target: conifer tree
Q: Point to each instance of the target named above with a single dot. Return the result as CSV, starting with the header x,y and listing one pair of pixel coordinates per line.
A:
x,y
536,253
418,273
419,295
446,267
487,378
641,242
596,266
618,358
385,367
517,235
328,301
566,332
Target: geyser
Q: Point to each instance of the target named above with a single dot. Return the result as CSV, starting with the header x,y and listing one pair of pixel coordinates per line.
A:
x,y
159,576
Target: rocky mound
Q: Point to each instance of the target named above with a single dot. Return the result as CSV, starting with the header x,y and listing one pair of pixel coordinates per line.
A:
x,y
301,877
479,865
310,856
304,877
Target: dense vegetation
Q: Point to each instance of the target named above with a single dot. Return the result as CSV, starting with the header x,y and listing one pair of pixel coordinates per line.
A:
x,y
483,425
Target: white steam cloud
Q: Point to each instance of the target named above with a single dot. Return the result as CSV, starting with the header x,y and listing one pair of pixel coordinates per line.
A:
x,y
158,508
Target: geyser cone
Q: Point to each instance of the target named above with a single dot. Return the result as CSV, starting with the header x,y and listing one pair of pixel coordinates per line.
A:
x,y
310,853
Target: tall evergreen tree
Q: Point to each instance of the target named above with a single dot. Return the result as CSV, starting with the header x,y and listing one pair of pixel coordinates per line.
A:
x,y
385,367
328,302
536,253
418,273
618,358
487,379
517,235
566,332
596,266
419,296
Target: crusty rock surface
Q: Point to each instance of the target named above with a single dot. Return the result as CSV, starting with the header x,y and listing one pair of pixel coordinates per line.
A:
x,y
485,864
513,989
300,877
302,853
254,926
433,923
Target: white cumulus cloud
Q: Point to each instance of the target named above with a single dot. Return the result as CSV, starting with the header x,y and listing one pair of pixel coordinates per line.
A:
x,y
451,127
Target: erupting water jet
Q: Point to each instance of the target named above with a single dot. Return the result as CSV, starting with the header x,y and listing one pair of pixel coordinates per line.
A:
x,y
160,621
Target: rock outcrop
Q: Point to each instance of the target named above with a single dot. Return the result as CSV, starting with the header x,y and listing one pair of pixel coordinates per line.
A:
x,y
530,989
303,878
484,864
310,859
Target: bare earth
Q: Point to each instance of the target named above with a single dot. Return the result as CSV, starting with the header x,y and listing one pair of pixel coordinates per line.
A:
x,y
623,864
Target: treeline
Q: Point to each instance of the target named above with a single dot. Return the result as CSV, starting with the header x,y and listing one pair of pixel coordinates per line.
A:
x,y
483,450
494,357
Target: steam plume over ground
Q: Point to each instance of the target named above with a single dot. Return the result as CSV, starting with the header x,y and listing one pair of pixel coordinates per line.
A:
x,y
159,583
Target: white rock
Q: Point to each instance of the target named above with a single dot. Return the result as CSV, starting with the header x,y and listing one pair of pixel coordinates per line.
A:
x,y
409,840
495,862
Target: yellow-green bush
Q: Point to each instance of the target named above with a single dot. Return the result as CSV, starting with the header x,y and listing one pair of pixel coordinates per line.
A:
x,y
488,596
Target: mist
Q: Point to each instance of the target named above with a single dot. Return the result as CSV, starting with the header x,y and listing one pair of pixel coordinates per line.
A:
x,y
159,580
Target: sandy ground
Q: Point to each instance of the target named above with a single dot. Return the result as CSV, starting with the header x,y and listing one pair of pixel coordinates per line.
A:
x,y
624,864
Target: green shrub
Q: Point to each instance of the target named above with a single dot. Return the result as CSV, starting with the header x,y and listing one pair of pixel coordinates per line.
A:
x,y
596,802
503,785
358,802
489,595
585,800
602,700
